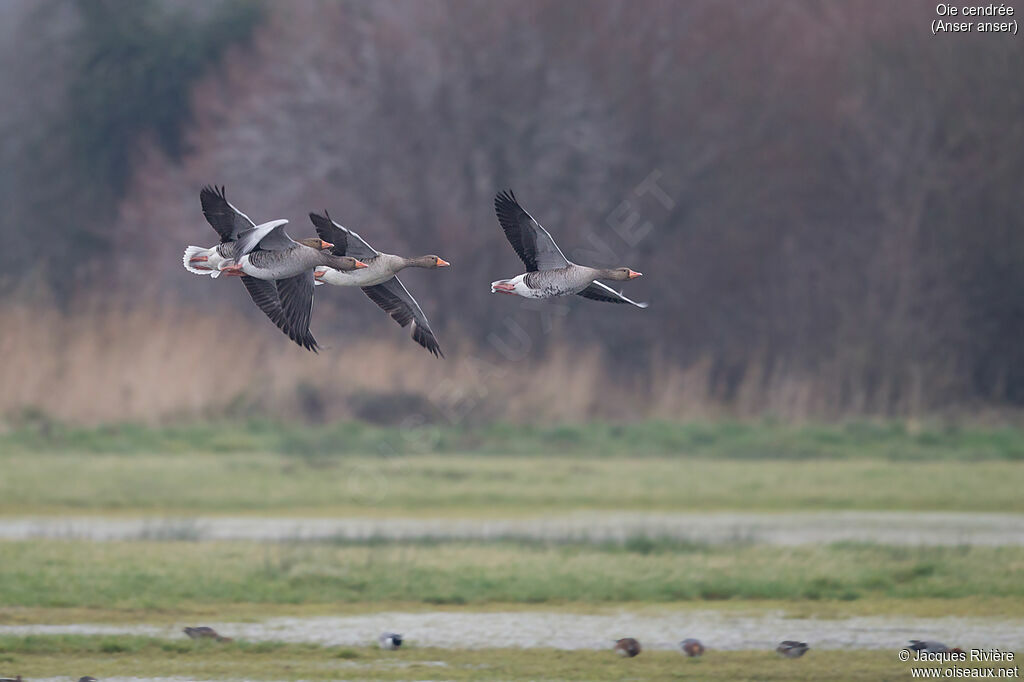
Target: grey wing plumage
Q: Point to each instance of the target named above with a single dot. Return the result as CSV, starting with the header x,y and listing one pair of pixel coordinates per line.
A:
x,y
330,231
355,245
531,242
264,295
268,236
394,299
600,292
296,294
227,220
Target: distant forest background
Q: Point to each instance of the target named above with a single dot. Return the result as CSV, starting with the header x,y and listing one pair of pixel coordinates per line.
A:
x,y
825,200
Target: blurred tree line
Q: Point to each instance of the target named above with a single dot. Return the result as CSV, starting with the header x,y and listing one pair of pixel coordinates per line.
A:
x,y
837,190
91,78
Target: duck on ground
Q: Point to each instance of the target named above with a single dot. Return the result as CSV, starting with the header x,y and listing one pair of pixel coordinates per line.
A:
x,y
628,647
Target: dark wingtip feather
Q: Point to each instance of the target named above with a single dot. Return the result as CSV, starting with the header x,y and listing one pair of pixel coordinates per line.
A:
x,y
426,338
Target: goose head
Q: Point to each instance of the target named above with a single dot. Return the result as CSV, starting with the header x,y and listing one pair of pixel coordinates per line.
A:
x,y
316,243
621,274
343,263
430,262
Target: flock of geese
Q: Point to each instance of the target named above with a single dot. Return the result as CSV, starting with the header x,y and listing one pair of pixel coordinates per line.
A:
x,y
281,273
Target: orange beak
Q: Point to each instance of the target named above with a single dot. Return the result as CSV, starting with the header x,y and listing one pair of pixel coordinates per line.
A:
x,y
442,263
361,264
325,245
634,274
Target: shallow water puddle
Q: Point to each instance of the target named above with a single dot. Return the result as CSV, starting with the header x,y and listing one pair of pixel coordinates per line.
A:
x,y
899,528
583,631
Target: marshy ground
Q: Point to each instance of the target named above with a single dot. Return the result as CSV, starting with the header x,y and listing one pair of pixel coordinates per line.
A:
x,y
506,566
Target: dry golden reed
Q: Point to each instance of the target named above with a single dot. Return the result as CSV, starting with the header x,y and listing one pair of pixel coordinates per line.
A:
x,y
100,362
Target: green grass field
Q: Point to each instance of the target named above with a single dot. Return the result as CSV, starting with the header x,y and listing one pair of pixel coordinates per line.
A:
x,y
184,576
33,433
493,472
472,486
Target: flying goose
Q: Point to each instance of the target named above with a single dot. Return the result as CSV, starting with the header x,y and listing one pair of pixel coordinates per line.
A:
x,y
628,647
792,649
550,273
231,224
203,632
268,254
691,647
379,279
390,640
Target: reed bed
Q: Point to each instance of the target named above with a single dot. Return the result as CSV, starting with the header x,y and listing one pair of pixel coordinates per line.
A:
x,y
98,361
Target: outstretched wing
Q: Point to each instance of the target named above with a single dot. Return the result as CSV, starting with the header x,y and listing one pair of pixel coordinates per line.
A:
x,y
394,299
531,242
353,244
268,236
331,232
296,294
600,292
227,220
264,295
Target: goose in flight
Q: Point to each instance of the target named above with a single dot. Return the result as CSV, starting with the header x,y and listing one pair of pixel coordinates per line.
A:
x,y
379,279
231,224
268,254
549,272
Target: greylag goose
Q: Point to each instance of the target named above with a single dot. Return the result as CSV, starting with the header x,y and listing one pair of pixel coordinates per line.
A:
x,y
88,678
379,279
268,254
692,647
550,273
792,649
627,647
203,632
390,640
230,224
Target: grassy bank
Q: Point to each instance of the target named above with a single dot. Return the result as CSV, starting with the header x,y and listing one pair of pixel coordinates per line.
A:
x,y
70,656
898,441
495,486
179,576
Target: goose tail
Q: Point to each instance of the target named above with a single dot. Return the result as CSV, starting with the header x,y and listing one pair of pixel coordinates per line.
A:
x,y
194,252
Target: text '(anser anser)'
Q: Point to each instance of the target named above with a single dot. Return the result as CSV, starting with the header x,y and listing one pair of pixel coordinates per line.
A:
x,y
549,272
